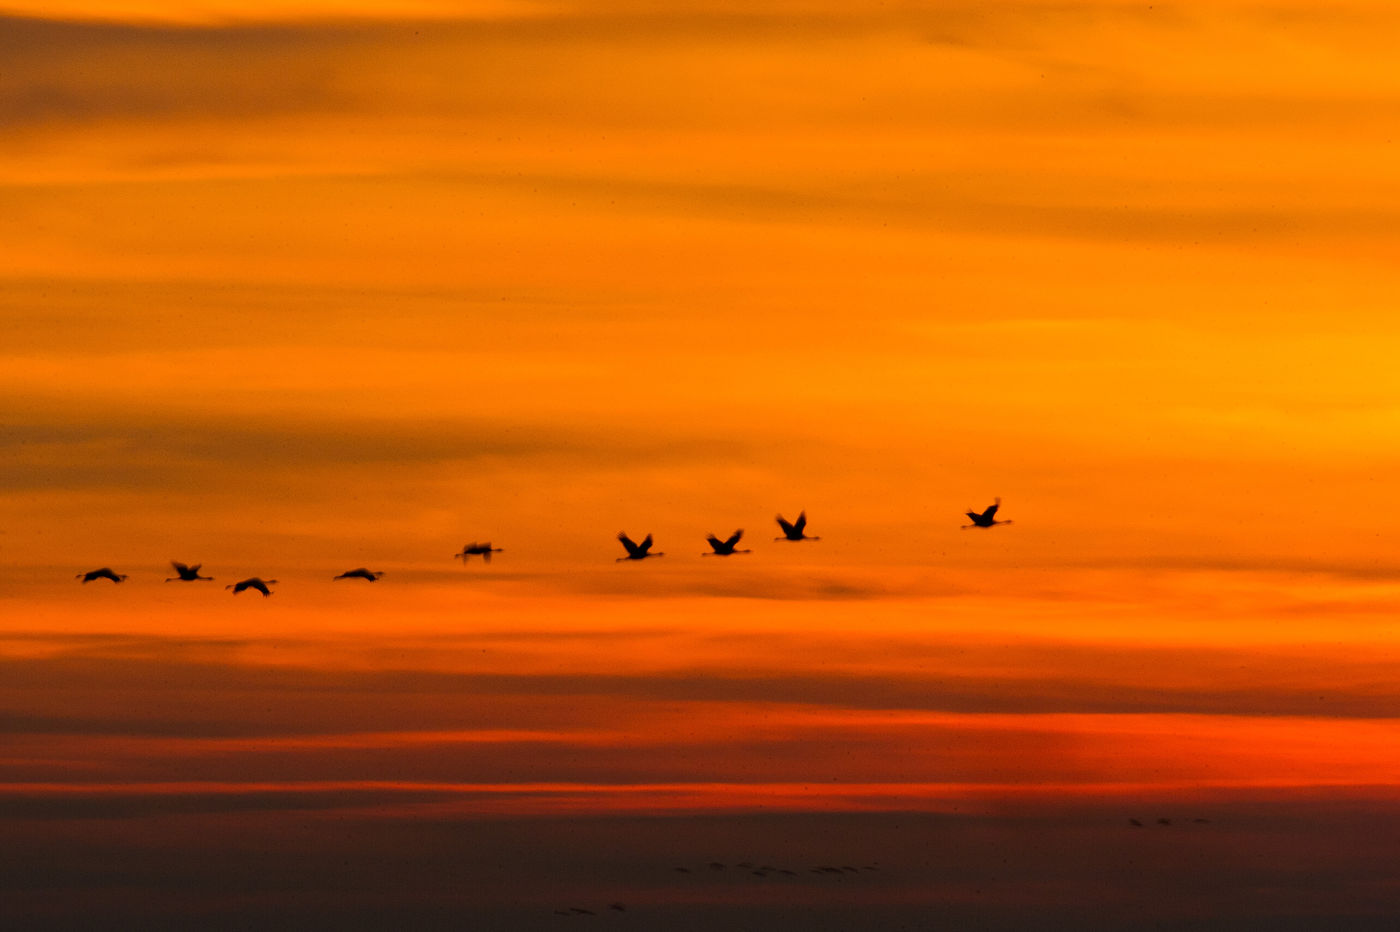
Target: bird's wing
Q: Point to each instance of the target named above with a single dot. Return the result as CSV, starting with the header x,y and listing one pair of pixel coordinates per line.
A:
x,y
991,510
733,538
973,515
645,545
180,567
715,542
800,523
630,544
787,527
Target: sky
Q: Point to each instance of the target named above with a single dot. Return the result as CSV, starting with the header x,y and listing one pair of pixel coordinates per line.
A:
x,y
288,289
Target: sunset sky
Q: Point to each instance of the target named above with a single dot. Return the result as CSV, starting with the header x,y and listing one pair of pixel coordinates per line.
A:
x,y
291,288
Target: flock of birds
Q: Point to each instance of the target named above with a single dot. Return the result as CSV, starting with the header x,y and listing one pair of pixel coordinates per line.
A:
x,y
740,868
792,531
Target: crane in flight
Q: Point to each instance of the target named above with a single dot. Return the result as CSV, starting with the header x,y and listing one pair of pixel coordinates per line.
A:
x,y
360,573
187,573
485,550
253,583
985,518
793,530
724,548
636,551
104,573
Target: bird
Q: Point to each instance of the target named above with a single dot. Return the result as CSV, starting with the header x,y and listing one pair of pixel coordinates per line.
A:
x,y
104,573
792,530
636,551
617,906
1135,823
724,548
360,573
253,583
187,573
473,548
985,518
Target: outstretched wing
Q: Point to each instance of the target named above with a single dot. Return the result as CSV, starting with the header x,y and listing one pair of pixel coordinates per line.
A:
x,y
715,543
991,511
644,546
181,568
787,526
733,539
631,545
801,523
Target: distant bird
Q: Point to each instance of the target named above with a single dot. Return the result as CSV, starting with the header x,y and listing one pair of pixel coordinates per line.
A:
x,y
985,518
360,573
1135,823
1164,821
474,548
723,548
253,583
581,911
103,573
636,551
793,530
187,573
617,906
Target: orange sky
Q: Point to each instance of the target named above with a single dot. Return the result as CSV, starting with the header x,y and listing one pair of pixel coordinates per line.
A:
x,y
291,288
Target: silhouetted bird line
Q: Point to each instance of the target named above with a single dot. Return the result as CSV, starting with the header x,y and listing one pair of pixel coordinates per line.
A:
x,y
636,551
187,573
253,583
985,518
484,550
104,573
360,573
794,530
724,548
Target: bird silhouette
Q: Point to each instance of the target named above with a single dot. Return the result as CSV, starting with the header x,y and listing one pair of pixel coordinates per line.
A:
x,y
253,583
360,573
474,548
104,573
793,530
985,518
636,551
724,548
187,573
